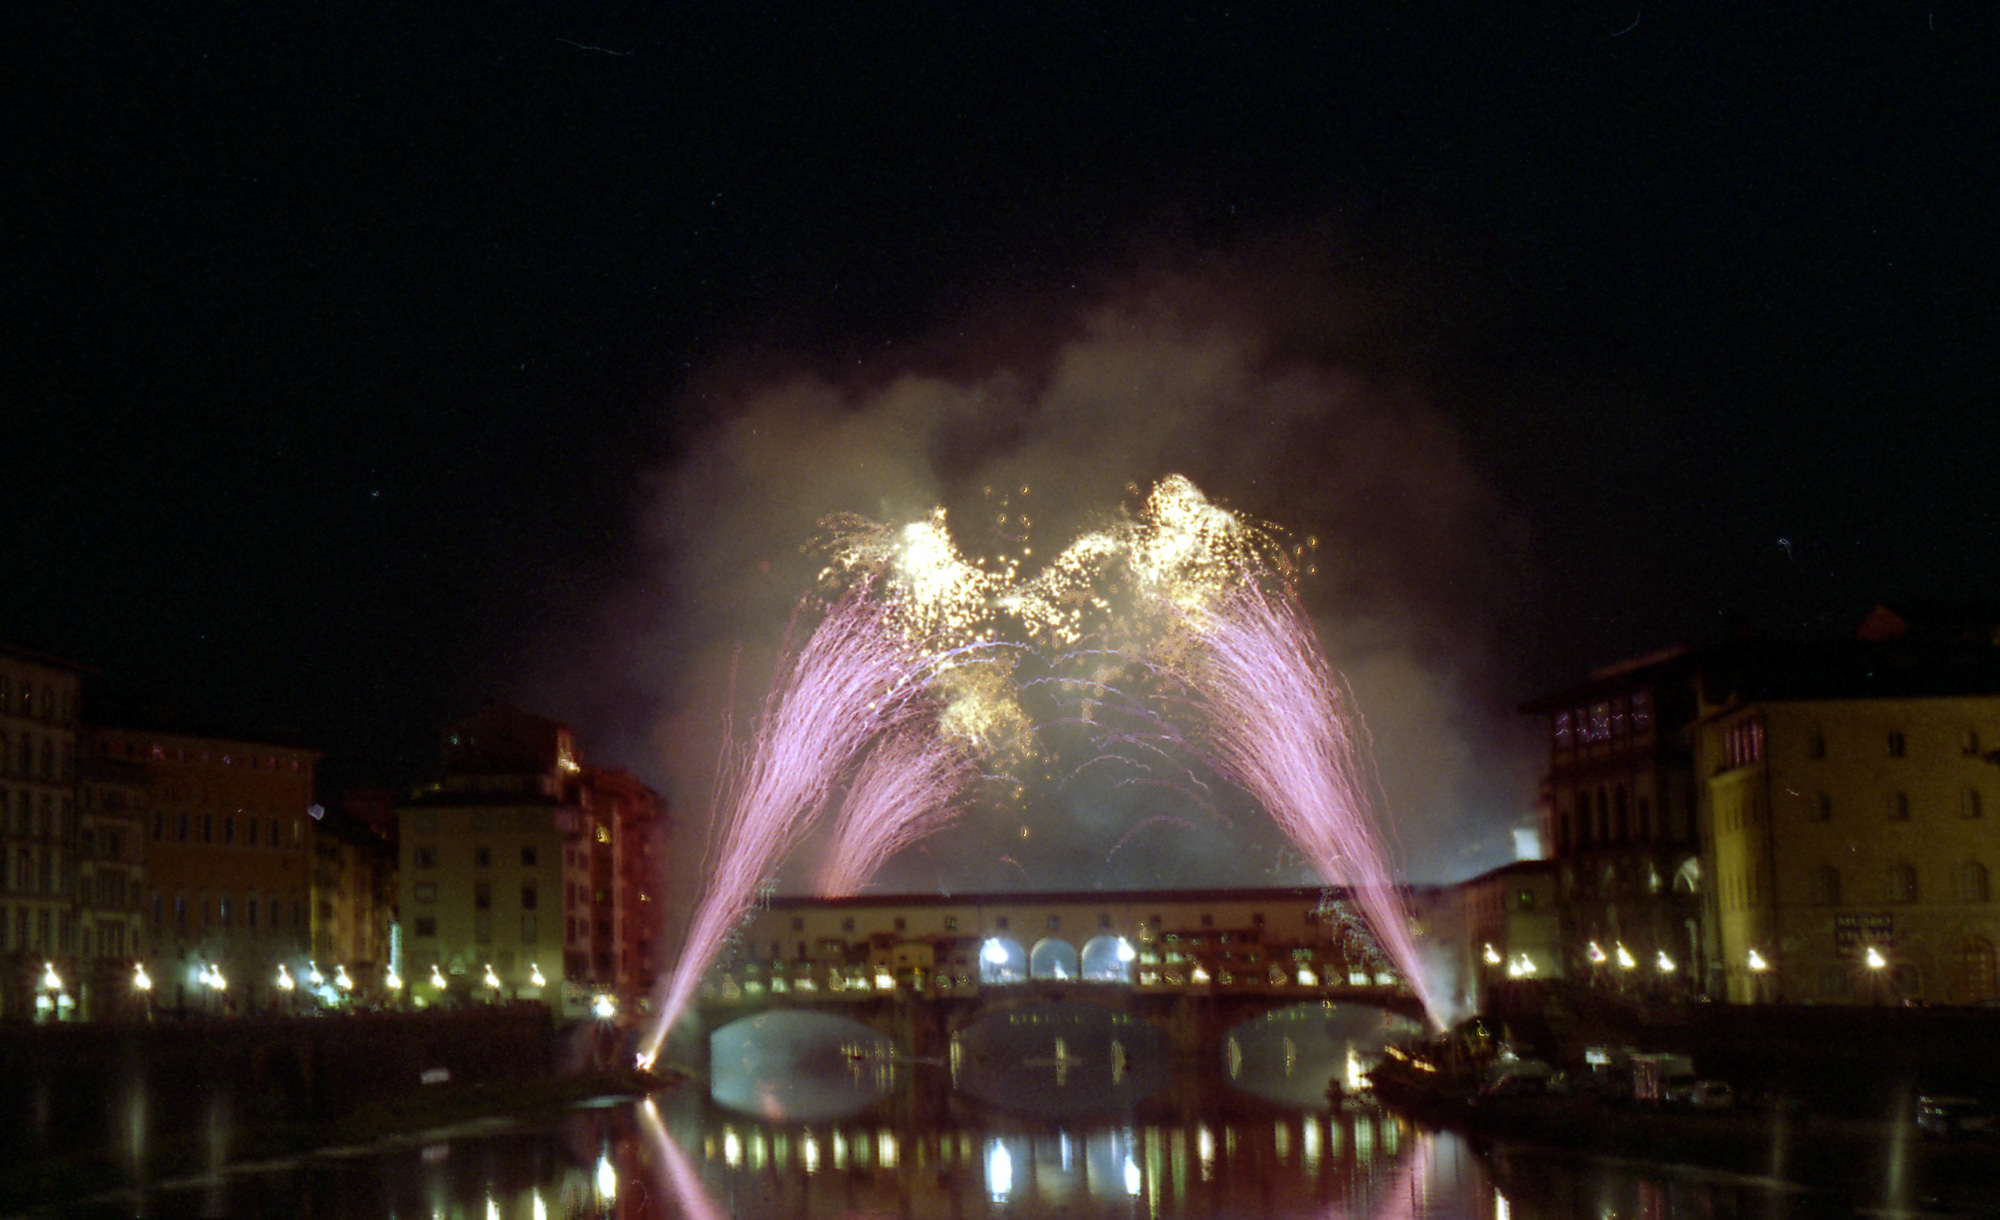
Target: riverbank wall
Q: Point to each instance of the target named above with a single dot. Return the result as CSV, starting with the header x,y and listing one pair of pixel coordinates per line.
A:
x,y
1853,1060
121,1087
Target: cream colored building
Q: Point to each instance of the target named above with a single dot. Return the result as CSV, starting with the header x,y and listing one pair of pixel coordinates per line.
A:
x,y
39,705
525,874
1848,807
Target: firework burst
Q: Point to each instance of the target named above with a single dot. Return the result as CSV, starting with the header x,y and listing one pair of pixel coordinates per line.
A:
x,y
855,679
902,795
1277,724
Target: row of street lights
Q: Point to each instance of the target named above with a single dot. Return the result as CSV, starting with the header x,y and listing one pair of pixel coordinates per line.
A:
x,y
53,1001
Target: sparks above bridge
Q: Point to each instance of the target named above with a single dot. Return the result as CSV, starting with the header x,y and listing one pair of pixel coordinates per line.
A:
x,y
1186,590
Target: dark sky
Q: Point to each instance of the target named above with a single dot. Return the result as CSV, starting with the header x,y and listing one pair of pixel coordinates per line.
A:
x,y
349,348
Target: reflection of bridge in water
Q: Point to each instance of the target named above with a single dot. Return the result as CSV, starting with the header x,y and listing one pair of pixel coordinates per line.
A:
x,y
921,967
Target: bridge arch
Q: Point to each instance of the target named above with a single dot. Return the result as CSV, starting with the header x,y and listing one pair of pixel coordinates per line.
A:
x,y
1107,959
1002,960
1053,959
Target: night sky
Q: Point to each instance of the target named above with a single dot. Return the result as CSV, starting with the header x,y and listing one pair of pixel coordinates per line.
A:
x,y
364,362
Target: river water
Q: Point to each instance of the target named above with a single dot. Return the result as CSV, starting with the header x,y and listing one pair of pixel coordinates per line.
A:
x,y
1061,1111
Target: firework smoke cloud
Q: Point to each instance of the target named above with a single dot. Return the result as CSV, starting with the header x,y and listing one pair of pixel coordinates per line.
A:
x,y
1002,439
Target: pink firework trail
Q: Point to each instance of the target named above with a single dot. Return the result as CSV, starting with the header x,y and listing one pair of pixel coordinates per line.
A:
x,y
854,680
903,794
1277,725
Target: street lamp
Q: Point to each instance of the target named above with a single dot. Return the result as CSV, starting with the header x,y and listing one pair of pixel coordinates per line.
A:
x,y
1665,963
1625,959
52,997
1876,964
535,975
341,980
1757,963
1492,955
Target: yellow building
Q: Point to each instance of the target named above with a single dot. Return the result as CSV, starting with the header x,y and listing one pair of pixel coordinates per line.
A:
x,y
39,698
525,874
228,875
1847,806
1512,926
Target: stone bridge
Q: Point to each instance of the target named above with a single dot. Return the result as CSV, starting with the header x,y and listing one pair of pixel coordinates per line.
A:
x,y
1195,1019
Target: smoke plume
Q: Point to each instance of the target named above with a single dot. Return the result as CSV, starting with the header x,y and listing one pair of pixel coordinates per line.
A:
x,y
1254,372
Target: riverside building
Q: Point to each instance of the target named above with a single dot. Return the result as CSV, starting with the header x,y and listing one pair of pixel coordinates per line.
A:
x,y
525,874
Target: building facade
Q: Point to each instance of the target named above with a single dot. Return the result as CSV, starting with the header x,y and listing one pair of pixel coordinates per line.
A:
x,y
1512,927
1848,793
524,874
228,866
1621,806
110,887
353,902
40,703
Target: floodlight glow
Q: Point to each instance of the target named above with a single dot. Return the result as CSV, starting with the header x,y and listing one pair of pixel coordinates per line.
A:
x,y
50,979
437,979
1625,959
1596,954
604,1006
535,976
141,981
491,979
1492,955
313,975
285,982
394,982
1125,951
341,980
1875,959
1757,962
1666,963
994,952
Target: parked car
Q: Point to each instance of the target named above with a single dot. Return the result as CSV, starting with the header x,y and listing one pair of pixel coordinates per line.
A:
x,y
1956,1118
1711,1095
